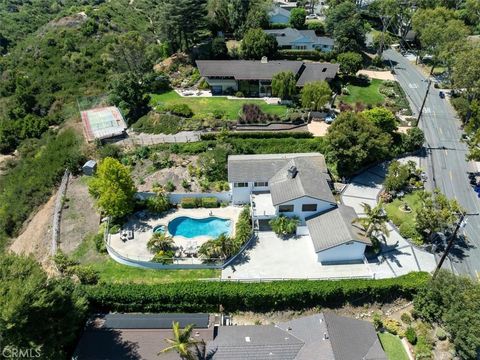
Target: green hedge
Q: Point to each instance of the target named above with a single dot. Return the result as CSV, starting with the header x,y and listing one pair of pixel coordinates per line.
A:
x,y
260,135
197,296
209,202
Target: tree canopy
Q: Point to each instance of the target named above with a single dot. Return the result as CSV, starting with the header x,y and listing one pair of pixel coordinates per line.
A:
x,y
256,44
350,62
382,118
113,188
315,95
284,85
297,18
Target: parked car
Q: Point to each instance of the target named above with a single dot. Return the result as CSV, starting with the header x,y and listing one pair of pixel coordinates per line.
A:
x,y
311,17
330,118
441,94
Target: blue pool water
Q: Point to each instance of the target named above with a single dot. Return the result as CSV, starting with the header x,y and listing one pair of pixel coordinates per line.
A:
x,y
190,228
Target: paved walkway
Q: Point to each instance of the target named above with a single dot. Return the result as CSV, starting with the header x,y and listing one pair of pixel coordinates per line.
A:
x,y
398,257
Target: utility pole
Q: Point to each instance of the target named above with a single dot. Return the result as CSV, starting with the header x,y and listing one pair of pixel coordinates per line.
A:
x,y
423,103
460,224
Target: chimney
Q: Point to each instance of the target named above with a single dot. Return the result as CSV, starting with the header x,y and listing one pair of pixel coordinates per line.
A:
x,y
292,172
264,60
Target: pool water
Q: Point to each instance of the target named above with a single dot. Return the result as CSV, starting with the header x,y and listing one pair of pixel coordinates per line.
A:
x,y
190,228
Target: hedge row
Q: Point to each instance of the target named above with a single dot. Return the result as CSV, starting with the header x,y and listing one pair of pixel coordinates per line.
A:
x,y
192,203
260,135
198,296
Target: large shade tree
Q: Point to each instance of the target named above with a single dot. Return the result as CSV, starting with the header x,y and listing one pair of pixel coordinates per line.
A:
x,y
256,44
284,85
113,188
315,95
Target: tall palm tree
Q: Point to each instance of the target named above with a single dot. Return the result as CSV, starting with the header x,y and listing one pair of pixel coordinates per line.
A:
x,y
374,222
182,342
160,242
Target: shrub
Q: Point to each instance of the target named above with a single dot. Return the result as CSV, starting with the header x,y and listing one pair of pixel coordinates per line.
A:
x,y
283,225
260,135
252,114
170,186
441,334
86,274
209,202
63,262
406,318
164,257
198,296
408,231
99,243
392,326
158,203
160,242
179,109
239,94
186,185
114,229
411,335
377,321
191,203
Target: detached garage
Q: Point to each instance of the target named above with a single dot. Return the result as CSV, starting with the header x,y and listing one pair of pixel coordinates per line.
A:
x,y
335,238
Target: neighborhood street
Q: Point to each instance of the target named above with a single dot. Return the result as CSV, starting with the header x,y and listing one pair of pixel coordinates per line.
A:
x,y
445,157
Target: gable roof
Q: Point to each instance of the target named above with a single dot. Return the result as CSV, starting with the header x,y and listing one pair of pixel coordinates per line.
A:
x,y
278,10
251,342
334,227
286,37
311,180
247,69
258,70
318,72
250,168
353,339
323,40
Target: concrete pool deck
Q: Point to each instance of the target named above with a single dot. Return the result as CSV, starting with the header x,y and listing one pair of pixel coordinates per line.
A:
x,y
136,248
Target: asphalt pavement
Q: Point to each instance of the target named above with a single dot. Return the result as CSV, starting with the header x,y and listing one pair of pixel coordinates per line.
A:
x,y
444,158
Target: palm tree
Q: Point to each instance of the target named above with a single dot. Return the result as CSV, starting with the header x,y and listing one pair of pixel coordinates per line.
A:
x,y
222,247
160,242
182,342
374,222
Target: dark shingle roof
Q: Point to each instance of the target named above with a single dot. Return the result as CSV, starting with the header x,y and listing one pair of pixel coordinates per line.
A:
x,y
244,168
334,227
318,72
254,343
246,69
154,321
311,180
353,339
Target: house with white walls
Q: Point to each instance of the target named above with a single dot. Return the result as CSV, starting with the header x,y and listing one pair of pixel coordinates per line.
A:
x,y
298,185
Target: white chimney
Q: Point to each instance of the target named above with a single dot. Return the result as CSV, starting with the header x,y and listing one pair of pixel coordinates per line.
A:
x,y
264,60
325,336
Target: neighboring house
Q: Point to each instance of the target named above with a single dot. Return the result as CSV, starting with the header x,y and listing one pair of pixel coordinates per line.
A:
x,y
290,38
137,336
254,78
298,185
325,336
279,15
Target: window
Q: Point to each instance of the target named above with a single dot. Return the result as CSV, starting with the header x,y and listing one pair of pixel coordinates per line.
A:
x,y
285,208
261,183
240,185
309,207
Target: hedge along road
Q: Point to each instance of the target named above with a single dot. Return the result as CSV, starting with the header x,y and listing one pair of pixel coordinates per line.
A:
x,y
203,296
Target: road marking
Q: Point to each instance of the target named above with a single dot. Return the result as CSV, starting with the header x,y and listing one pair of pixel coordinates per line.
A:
x,y
412,86
441,131
446,152
427,110
451,175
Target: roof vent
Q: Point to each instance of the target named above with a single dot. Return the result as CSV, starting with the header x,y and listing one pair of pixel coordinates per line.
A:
x,y
324,69
289,328
292,172
247,338
325,336
264,60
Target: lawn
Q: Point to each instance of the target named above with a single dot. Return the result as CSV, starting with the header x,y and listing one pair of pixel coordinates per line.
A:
x,y
210,104
393,347
113,272
368,95
405,221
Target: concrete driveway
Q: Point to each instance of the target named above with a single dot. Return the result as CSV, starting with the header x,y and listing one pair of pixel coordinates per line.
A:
x,y
270,257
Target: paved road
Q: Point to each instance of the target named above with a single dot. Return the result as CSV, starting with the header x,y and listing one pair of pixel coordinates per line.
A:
x,y
445,157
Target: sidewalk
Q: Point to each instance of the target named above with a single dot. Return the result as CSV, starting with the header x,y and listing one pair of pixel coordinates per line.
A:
x,y
398,257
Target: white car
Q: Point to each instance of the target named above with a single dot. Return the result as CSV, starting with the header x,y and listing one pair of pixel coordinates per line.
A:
x,y
311,17
330,118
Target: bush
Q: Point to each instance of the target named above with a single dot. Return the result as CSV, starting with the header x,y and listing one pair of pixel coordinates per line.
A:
x,y
239,94
86,274
411,335
377,321
441,334
260,135
392,326
406,318
114,229
158,203
179,109
170,186
164,257
191,203
408,231
284,226
199,296
99,243
252,114
209,202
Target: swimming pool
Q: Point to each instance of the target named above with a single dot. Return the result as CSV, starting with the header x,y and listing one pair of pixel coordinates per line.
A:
x,y
189,227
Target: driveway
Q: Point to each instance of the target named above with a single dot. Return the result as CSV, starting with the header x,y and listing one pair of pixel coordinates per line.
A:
x,y
398,257
270,257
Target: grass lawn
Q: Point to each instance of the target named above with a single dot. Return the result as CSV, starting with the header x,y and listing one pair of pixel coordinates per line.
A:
x,y
368,95
210,104
393,347
112,272
399,217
